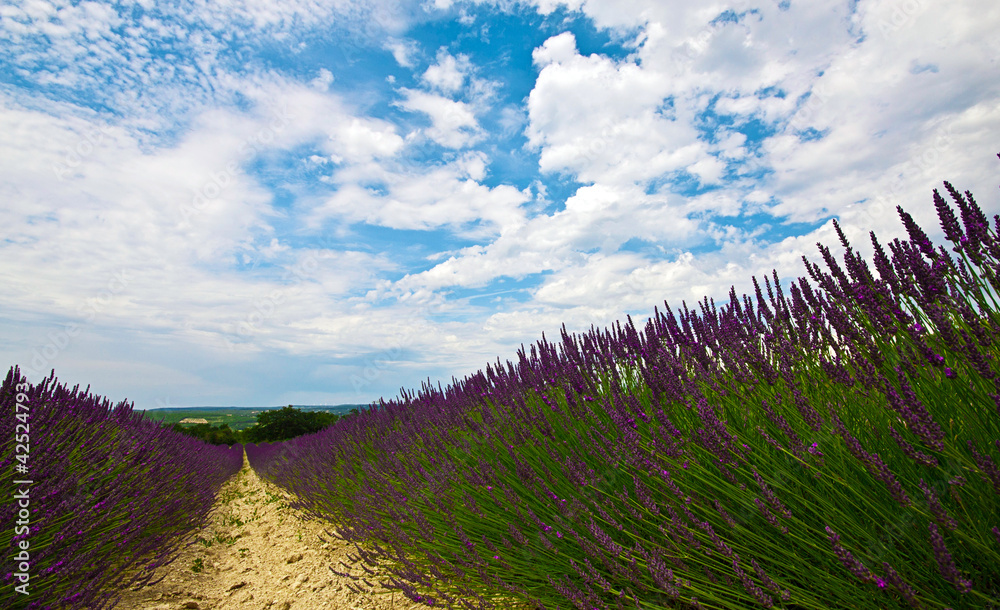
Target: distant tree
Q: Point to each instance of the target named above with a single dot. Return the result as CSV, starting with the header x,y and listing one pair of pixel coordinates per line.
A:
x,y
287,422
221,435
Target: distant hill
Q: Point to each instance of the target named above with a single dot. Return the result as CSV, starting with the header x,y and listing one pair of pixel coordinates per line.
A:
x,y
238,418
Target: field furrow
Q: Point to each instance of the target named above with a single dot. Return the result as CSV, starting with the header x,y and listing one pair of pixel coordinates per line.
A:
x,y
257,552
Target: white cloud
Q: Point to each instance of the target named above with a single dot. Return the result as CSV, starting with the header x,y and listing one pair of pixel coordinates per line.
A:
x,y
882,99
323,80
176,234
403,51
446,196
598,289
360,140
597,218
449,73
101,54
453,123
555,50
708,169
731,145
602,121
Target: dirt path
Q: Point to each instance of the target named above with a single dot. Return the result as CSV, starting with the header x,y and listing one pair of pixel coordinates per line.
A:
x,y
258,553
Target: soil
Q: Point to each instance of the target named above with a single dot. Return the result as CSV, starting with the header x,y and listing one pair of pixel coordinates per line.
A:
x,y
259,553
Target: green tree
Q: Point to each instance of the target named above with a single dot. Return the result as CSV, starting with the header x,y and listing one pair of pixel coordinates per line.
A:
x,y
221,435
287,422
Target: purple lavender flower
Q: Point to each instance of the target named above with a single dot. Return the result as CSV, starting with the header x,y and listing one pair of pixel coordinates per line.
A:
x,y
663,576
846,558
782,424
768,516
718,542
725,516
770,497
976,224
904,589
917,235
911,451
873,463
946,564
751,587
988,468
949,223
939,512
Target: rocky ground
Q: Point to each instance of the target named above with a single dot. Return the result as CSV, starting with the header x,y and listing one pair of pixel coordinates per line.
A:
x,y
258,553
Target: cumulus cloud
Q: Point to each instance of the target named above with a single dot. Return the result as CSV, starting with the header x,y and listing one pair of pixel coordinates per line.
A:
x,y
175,234
597,218
403,51
555,50
449,73
602,120
453,123
357,140
323,80
857,111
450,195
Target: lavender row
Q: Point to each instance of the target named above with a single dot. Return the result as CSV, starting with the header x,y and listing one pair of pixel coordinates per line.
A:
x,y
261,457
112,494
833,447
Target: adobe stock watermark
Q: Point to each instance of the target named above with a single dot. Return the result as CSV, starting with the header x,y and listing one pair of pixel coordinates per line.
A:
x,y
598,145
22,490
903,14
218,181
263,308
165,403
370,30
918,165
376,366
809,110
80,152
696,46
901,529
58,340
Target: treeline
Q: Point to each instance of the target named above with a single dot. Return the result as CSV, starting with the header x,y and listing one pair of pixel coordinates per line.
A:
x,y
272,426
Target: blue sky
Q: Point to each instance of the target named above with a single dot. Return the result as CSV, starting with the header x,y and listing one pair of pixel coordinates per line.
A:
x,y
254,203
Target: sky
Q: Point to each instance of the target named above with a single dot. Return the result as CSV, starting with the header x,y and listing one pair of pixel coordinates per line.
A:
x,y
251,203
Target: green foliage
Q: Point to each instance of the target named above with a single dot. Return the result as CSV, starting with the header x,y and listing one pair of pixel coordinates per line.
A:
x,y
213,435
286,423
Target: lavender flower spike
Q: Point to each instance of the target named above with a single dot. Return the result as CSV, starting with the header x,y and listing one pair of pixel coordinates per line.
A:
x,y
940,514
946,564
853,565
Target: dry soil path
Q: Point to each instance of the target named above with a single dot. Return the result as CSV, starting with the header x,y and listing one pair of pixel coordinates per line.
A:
x,y
258,553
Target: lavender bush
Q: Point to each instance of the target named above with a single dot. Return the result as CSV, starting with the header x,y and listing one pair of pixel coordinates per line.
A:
x,y
261,457
833,444
113,494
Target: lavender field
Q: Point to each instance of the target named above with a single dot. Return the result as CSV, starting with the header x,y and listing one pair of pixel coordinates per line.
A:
x,y
499,304
832,443
111,497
